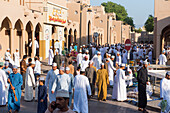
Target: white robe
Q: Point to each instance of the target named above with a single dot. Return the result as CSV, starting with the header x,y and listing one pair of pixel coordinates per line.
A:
x,y
36,46
50,58
121,85
86,55
3,83
111,72
29,84
114,92
124,60
49,83
162,59
61,82
79,58
7,56
119,60
81,86
129,82
17,59
150,56
165,92
37,68
84,64
97,61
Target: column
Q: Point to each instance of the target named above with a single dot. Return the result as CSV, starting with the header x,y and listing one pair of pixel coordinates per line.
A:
x,y
33,51
12,41
41,41
23,43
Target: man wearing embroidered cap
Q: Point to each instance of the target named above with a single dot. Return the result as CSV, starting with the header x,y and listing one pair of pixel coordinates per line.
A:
x,y
165,91
142,81
162,58
85,63
121,85
8,55
82,87
50,80
86,54
29,82
16,80
57,59
61,103
111,70
51,56
102,81
62,81
79,58
36,46
90,73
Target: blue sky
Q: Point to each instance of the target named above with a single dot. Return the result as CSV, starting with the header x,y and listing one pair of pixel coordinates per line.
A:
x,y
138,9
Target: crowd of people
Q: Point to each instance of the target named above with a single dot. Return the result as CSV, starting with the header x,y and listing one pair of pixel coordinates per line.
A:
x,y
76,76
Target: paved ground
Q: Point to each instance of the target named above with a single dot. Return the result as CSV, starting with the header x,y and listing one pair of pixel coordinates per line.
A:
x,y
94,106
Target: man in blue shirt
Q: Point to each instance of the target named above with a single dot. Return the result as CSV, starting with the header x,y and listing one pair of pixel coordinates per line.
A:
x,y
16,80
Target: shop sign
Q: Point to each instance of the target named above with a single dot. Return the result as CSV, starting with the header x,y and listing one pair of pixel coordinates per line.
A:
x,y
56,15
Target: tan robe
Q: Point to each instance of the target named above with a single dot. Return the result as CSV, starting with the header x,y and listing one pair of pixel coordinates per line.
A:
x,y
102,81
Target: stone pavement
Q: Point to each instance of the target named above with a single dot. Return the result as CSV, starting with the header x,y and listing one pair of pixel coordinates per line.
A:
x,y
95,106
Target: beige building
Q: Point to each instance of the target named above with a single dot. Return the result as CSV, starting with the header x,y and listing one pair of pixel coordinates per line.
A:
x,y
22,20
69,21
162,26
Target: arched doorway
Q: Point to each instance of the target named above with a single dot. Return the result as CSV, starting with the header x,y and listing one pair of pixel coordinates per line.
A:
x,y
5,34
70,37
165,37
75,36
18,41
89,33
38,29
28,40
65,36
